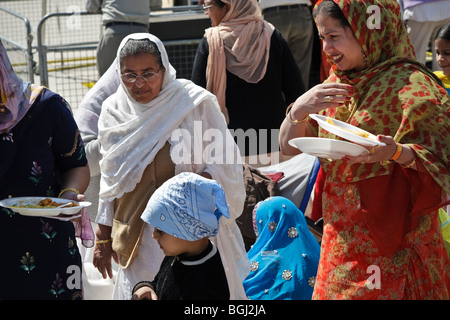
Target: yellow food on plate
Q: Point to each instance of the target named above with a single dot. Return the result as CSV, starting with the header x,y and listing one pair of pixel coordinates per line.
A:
x,y
330,121
46,204
358,132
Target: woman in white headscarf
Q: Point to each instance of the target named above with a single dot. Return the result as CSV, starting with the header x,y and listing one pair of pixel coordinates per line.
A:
x,y
154,127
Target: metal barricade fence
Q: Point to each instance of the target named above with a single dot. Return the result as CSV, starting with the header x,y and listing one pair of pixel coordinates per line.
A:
x,y
68,64
16,36
67,59
61,47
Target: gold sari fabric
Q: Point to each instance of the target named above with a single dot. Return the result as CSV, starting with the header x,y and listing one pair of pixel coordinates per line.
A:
x,y
394,95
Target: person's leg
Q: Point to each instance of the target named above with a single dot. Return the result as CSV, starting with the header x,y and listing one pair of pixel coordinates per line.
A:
x,y
300,40
110,42
419,33
296,26
106,50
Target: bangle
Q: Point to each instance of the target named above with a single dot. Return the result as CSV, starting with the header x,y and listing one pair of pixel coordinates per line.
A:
x,y
288,116
411,164
68,189
397,153
103,241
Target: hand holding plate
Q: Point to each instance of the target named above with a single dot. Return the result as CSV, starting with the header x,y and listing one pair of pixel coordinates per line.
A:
x,y
378,153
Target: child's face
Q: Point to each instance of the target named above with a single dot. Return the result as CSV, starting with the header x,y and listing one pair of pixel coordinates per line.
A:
x,y
443,54
172,246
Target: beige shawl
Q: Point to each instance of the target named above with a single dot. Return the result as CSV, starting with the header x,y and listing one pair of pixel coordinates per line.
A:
x,y
239,44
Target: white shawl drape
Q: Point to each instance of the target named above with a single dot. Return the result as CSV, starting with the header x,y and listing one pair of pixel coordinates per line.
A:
x,y
189,117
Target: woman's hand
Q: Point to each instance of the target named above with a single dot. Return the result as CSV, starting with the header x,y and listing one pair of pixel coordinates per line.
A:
x,y
376,153
102,259
384,153
322,96
74,182
103,252
72,195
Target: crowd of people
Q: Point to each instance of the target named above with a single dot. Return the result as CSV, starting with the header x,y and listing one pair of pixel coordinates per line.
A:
x,y
169,173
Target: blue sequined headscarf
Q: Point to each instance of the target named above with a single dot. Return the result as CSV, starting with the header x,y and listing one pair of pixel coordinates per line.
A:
x,y
285,256
187,206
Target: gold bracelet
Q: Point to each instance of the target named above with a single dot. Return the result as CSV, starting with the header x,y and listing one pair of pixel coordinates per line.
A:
x,y
288,116
68,189
411,164
103,241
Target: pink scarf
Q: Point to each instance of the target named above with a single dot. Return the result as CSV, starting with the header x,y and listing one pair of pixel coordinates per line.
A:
x,y
239,44
16,95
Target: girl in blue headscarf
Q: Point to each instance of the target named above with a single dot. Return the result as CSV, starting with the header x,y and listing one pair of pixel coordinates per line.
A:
x,y
285,256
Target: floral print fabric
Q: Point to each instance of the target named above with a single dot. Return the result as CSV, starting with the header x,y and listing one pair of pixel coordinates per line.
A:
x,y
284,258
384,251
394,96
40,257
381,234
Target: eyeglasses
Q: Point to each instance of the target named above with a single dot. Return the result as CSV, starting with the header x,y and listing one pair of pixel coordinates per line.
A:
x,y
206,7
147,76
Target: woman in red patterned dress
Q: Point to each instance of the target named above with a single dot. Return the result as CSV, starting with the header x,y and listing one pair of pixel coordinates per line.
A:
x,y
382,239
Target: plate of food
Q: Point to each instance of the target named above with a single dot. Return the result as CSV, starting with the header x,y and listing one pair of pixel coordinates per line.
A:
x,y
43,206
347,131
327,148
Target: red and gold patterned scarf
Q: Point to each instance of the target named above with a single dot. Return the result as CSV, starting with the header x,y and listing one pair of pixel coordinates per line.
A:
x,y
394,95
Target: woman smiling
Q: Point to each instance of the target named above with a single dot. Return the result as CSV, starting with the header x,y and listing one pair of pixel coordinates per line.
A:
x,y
380,209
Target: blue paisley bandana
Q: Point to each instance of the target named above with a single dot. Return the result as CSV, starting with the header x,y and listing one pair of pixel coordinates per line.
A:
x,y
187,206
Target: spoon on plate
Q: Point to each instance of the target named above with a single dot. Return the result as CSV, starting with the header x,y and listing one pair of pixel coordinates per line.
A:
x,y
64,204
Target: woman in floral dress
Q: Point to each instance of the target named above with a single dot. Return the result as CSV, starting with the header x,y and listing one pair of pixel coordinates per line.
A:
x,y
41,154
382,238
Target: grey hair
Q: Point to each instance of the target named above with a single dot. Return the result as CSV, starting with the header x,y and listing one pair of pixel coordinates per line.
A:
x,y
134,47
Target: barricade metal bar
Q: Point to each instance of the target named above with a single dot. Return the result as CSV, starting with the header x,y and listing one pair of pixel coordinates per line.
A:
x,y
68,65
73,46
43,49
14,43
197,8
29,40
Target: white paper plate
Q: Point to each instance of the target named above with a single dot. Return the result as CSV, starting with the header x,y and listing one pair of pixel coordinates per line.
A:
x,y
347,131
16,204
327,148
65,218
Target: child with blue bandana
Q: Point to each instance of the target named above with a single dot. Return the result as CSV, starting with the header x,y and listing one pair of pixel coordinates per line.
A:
x,y
185,213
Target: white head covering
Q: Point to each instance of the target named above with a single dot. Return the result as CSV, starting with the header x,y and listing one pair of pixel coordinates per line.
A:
x,y
130,136
17,96
132,133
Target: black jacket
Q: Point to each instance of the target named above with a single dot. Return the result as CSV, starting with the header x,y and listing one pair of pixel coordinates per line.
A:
x,y
201,277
